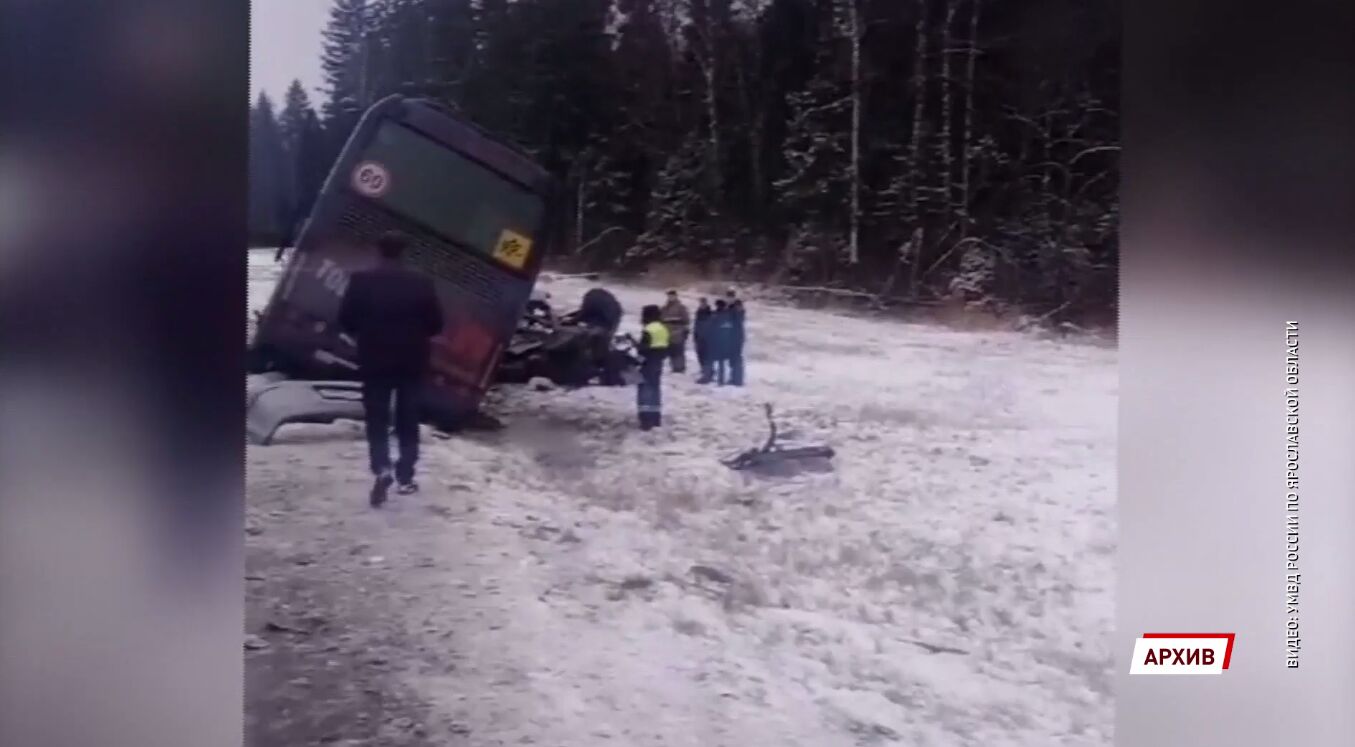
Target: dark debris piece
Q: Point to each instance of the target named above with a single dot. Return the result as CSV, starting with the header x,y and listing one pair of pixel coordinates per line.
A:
x,y
771,453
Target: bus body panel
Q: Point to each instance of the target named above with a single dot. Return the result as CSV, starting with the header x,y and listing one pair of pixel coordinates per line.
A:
x,y
482,297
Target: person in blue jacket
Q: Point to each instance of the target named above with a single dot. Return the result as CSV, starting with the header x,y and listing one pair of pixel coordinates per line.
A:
x,y
701,329
722,337
737,337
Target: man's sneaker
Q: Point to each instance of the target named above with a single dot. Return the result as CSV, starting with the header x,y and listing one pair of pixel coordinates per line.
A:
x,y
407,488
383,484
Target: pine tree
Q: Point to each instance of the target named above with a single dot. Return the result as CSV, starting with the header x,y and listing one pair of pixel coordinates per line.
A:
x,y
267,169
640,143
567,78
816,187
295,108
451,54
491,91
347,61
601,189
681,218
312,166
788,37
291,125
400,40
950,143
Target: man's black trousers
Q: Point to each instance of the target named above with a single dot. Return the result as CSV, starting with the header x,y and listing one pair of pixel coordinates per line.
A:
x,y
677,353
377,399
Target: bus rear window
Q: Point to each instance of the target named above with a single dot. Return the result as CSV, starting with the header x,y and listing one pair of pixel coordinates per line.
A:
x,y
453,195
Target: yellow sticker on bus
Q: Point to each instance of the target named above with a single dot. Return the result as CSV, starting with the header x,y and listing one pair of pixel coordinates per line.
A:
x,y
513,249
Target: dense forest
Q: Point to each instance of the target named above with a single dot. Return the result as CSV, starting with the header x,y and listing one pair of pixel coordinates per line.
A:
x,y
912,149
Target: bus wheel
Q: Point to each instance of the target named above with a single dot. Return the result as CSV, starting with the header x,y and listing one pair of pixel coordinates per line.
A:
x,y
260,359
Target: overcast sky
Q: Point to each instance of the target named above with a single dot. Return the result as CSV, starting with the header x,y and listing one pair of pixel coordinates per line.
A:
x,y
285,45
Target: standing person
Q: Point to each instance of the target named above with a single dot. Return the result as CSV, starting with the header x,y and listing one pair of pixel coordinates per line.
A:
x,y
737,338
701,338
721,340
392,312
678,321
653,347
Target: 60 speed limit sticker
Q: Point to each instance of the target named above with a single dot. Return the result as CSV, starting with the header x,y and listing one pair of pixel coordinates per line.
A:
x,y
371,179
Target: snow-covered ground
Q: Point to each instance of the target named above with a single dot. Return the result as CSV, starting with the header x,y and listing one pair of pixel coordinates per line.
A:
x,y
950,582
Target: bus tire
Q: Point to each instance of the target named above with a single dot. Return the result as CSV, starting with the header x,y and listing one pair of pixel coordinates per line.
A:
x,y
260,359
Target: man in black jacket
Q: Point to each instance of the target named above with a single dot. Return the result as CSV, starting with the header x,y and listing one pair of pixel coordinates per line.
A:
x,y
601,311
392,312
600,308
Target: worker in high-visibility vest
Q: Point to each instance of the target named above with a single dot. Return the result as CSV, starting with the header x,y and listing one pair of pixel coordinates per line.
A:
x,y
653,349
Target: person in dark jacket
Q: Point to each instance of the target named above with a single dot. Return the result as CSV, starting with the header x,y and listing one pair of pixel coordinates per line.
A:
x,y
600,310
737,338
392,312
701,338
653,349
678,320
721,340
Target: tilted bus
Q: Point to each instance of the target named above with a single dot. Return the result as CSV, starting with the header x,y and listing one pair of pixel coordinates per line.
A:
x,y
478,214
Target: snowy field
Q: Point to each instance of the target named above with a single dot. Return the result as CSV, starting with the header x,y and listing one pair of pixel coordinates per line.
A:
x,y
950,582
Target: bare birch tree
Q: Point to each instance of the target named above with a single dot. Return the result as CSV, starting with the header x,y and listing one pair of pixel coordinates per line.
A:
x,y
916,142
967,135
945,143
705,27
856,33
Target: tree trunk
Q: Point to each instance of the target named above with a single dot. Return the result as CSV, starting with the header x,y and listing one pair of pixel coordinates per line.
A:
x,y
709,73
578,213
945,144
707,58
855,29
369,59
364,71
753,113
975,8
915,145
759,178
